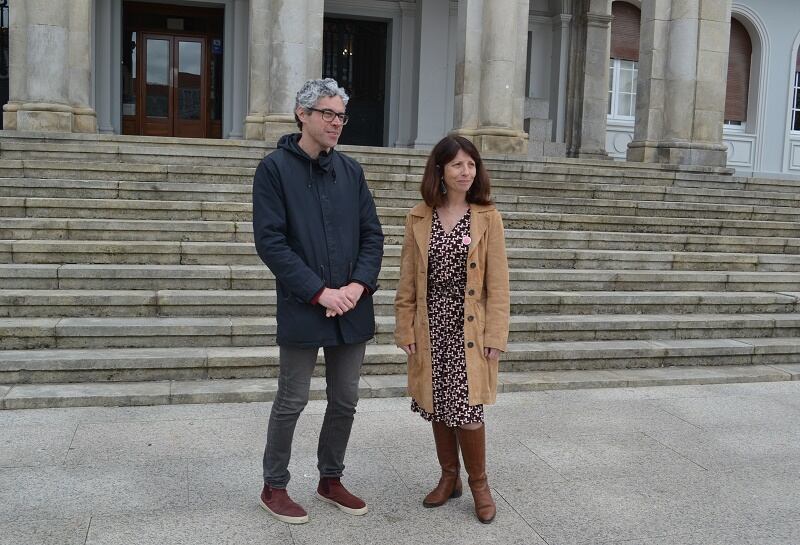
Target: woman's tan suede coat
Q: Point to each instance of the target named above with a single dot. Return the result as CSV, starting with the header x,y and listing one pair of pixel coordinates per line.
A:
x,y
486,303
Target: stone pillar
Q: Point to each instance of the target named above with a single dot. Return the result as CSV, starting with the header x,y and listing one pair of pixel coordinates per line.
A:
x,y
433,16
259,53
490,75
50,67
680,101
558,73
588,87
285,51
408,97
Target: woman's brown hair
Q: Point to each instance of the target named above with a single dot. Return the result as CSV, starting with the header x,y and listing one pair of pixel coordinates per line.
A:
x,y
441,154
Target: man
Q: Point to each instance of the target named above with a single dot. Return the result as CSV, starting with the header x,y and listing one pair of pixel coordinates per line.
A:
x,y
316,228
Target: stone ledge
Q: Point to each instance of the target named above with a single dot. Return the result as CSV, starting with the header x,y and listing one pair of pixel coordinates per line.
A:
x,y
37,396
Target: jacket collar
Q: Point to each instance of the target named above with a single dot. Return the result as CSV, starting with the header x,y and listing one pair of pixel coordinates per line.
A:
x,y
422,210
422,229
290,143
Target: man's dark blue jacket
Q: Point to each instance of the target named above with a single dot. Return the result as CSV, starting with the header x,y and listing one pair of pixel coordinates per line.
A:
x,y
315,225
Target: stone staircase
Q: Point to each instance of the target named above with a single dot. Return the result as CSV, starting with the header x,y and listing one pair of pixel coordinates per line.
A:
x,y
130,260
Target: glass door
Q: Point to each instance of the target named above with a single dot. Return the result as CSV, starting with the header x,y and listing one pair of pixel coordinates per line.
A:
x,y
156,86
173,86
190,88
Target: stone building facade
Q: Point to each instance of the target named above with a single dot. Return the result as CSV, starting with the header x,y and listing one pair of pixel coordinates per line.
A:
x,y
519,77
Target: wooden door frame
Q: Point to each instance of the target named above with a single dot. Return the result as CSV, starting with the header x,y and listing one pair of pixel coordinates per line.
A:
x,y
173,39
204,84
142,91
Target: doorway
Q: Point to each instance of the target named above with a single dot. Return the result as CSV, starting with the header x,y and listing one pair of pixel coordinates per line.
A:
x,y
172,71
354,54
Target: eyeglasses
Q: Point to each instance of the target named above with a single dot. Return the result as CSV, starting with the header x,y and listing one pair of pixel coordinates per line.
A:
x,y
329,115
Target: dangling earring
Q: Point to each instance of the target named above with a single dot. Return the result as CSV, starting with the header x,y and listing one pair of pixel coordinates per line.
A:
x,y
442,187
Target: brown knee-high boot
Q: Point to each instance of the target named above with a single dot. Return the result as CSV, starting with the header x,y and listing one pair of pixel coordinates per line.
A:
x,y
473,449
447,451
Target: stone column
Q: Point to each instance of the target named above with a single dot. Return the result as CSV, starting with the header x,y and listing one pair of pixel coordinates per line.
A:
x,y
259,53
80,67
433,16
588,87
490,74
50,67
558,73
680,101
408,97
285,51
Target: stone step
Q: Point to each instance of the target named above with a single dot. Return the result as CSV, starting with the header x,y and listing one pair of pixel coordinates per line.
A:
x,y
599,222
116,394
514,172
386,185
77,230
153,364
207,303
127,332
255,277
604,240
120,208
202,229
233,253
619,207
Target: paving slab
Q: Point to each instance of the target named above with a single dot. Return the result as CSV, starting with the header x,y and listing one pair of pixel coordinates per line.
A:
x,y
67,492
780,534
69,531
150,441
23,445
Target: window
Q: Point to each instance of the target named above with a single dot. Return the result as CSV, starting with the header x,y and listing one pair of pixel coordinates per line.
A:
x,y
623,67
622,89
738,83
796,100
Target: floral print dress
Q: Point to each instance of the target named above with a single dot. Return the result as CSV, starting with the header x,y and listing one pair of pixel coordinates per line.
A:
x,y
447,283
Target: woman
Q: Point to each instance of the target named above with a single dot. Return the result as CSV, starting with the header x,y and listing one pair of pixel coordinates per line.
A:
x,y
451,313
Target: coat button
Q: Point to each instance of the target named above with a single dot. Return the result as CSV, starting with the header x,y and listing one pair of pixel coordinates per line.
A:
x,y
471,292
473,265
470,318
470,344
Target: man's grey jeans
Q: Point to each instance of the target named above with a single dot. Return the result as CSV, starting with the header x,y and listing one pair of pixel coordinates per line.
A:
x,y
342,370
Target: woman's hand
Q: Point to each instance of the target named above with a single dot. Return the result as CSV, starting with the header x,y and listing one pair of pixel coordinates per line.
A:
x,y
409,348
491,353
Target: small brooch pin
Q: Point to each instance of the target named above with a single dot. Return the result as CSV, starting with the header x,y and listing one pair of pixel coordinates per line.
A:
x,y
466,240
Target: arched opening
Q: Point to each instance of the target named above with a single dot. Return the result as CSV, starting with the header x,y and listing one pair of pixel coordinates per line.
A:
x,y
623,66
738,82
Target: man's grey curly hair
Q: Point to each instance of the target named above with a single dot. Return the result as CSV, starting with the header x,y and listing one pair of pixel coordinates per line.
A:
x,y
314,89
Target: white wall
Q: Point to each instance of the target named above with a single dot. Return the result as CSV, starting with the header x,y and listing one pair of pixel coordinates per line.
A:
x,y
773,151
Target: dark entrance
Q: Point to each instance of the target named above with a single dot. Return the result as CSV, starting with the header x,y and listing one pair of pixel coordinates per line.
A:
x,y
172,71
354,54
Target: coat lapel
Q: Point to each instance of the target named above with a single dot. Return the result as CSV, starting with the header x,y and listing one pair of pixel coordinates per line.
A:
x,y
422,233
478,226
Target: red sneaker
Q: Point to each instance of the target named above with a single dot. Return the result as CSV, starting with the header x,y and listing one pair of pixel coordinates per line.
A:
x,y
330,490
276,502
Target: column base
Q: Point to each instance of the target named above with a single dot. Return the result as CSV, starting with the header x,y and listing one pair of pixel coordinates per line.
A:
x,y
276,125
678,153
254,127
84,120
269,128
597,155
496,141
42,117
